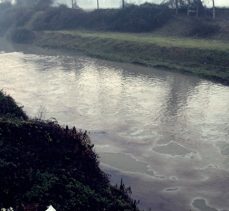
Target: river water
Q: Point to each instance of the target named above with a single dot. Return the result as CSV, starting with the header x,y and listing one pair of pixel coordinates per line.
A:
x,y
166,134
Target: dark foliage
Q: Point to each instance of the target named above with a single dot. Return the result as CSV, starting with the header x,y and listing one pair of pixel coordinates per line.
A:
x,y
34,3
131,19
144,18
42,163
58,18
21,35
203,29
13,17
8,108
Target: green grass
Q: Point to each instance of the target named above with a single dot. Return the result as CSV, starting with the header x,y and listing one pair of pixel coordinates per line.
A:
x,y
205,58
149,38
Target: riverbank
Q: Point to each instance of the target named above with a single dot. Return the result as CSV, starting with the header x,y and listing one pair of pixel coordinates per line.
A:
x,y
42,163
201,57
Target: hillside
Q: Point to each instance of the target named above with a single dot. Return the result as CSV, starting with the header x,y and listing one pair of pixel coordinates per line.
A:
x,y
42,163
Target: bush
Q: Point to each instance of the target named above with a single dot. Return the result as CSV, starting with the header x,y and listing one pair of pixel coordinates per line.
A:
x,y
21,35
133,18
12,16
42,163
141,18
9,108
203,29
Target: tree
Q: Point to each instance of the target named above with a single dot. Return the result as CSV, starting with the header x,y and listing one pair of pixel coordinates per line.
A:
x,y
34,3
27,3
176,3
193,6
44,3
74,4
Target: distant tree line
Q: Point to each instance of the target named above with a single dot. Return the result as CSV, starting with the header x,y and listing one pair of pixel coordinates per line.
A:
x,y
195,7
40,15
34,3
132,18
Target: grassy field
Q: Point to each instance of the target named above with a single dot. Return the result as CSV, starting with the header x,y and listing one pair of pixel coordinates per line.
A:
x,y
161,41
205,58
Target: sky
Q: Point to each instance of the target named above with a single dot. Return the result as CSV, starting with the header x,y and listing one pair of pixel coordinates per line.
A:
x,y
116,3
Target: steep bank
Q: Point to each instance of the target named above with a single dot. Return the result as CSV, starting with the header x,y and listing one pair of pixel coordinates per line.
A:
x,y
205,58
42,163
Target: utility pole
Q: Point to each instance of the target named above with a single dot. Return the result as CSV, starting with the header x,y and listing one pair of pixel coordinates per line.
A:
x,y
176,2
213,10
74,4
123,3
188,10
97,4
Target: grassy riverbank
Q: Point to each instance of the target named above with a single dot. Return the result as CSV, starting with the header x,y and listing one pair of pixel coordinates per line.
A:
x,y
202,57
42,163
164,40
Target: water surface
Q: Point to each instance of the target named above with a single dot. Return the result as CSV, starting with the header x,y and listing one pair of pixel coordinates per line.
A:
x,y
166,134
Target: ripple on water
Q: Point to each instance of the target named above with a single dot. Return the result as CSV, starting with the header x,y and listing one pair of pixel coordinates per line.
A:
x,y
201,205
173,149
126,162
172,189
224,148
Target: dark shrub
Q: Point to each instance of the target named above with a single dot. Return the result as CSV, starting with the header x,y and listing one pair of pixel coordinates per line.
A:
x,y
9,108
203,29
12,17
58,18
21,35
141,18
133,18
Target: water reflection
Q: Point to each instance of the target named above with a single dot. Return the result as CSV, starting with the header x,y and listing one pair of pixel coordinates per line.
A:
x,y
165,133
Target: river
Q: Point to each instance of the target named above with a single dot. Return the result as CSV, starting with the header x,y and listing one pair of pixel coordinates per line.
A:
x,y
166,134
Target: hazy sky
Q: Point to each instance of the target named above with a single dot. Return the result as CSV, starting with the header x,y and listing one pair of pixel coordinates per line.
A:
x,y
117,3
